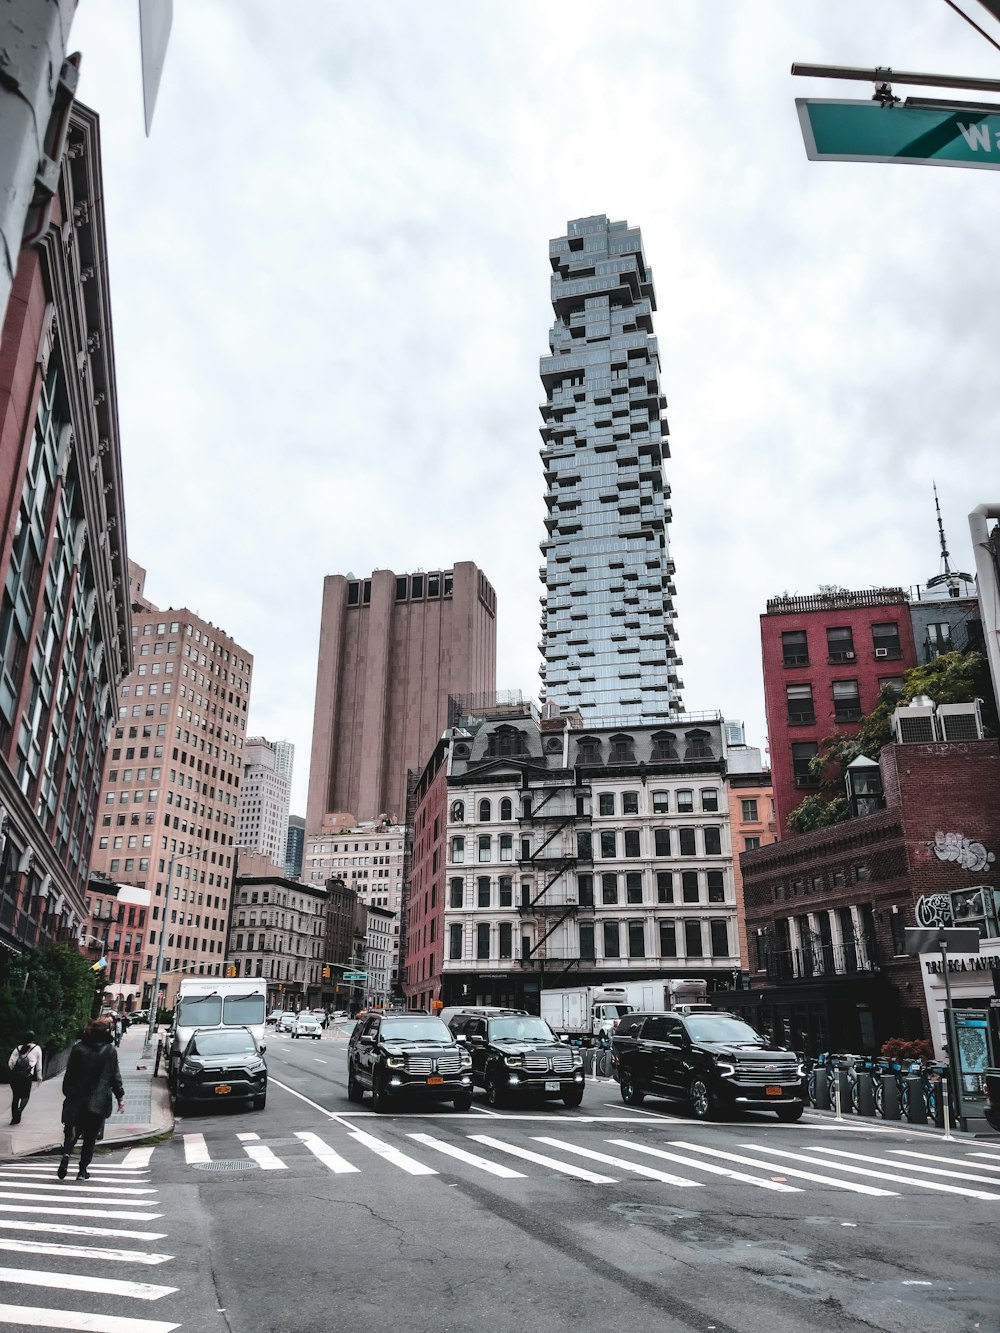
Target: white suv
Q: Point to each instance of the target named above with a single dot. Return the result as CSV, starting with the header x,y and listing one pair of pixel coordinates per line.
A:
x,y
307,1025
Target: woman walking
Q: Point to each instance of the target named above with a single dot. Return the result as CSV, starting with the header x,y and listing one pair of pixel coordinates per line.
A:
x,y
25,1065
92,1074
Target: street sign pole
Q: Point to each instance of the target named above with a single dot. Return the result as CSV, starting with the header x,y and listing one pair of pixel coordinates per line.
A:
x,y
927,135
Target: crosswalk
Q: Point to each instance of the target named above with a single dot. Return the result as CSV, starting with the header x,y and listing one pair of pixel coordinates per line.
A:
x,y
675,1163
103,1256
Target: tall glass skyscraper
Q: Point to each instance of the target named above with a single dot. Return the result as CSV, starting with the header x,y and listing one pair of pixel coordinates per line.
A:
x,y
608,636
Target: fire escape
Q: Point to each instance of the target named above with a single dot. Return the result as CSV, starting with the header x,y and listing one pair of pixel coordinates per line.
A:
x,y
553,866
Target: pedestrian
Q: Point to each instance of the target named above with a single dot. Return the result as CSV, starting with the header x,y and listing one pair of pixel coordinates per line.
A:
x,y
92,1074
25,1065
118,1029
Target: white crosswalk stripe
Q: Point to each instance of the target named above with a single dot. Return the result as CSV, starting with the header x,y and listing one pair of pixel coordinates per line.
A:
x,y
889,1175
473,1159
539,1159
331,1159
948,1161
195,1149
263,1156
780,1169
35,1317
389,1154
649,1172
710,1167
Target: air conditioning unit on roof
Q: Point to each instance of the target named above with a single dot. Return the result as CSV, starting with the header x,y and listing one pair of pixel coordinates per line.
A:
x,y
914,724
960,722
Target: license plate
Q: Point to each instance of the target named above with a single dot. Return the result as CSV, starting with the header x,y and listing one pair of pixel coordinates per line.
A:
x,y
772,1092
435,1078
222,1089
552,1086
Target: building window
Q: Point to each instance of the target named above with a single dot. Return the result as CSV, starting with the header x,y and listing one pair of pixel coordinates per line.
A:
x,y
716,886
585,890
609,889
794,648
699,745
587,940
455,941
840,643
612,939
455,900
584,845
483,939
636,939
484,812
401,589
748,811
799,700
687,842
720,938
664,747
751,844
632,842
661,804
668,939
483,843
588,750
685,802
885,640
483,891
803,753
506,891
664,886
630,802
709,799
458,812
693,947
458,850
506,846
633,887
689,886
506,809
846,701
713,842
606,803
622,751
609,844
506,939
661,842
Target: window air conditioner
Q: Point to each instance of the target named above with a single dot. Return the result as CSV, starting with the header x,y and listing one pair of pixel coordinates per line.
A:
x,y
881,652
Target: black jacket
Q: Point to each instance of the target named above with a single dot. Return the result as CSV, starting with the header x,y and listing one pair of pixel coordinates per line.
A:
x,y
91,1076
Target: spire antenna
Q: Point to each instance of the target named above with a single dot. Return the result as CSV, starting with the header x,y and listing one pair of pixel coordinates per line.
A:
x,y
950,578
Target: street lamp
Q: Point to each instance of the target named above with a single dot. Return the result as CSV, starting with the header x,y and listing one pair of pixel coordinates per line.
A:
x,y
154,1007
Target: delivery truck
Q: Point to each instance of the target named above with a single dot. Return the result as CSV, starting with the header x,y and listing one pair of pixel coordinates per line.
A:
x,y
593,1012
215,1002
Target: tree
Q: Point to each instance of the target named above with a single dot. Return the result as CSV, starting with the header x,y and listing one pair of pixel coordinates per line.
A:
x,y
952,678
49,992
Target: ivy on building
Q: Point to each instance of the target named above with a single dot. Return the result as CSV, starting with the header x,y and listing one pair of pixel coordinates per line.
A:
x,y
48,991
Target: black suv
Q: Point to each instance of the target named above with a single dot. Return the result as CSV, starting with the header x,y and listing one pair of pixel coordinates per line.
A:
x,y
517,1054
221,1064
407,1054
712,1059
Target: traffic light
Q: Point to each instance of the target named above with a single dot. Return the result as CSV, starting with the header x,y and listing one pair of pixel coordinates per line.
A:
x,y
230,969
326,973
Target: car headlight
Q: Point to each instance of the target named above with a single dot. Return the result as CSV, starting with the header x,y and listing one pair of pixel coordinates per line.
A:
x,y
188,1068
725,1069
515,1061
577,1061
466,1060
395,1061
802,1070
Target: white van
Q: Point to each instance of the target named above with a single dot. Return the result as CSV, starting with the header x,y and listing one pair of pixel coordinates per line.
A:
x,y
215,1002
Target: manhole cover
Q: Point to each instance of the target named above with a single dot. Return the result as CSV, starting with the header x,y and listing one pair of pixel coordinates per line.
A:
x,y
232,1164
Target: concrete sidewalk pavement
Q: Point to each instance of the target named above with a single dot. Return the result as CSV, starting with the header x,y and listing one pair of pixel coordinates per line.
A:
x,y
147,1106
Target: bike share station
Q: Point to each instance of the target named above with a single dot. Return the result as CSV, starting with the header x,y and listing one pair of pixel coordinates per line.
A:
x,y
962,989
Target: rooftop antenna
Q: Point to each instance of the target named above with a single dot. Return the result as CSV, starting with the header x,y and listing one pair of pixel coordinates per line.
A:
x,y
952,579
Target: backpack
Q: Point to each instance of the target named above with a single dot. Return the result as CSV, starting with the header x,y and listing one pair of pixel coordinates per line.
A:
x,y
22,1068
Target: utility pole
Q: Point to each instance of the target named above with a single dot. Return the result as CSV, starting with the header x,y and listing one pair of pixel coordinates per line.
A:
x,y
37,84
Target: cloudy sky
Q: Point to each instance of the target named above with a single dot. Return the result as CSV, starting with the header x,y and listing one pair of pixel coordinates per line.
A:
x,y
330,286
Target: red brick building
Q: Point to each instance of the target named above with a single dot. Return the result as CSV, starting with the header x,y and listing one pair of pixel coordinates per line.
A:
x,y
423,921
826,911
825,659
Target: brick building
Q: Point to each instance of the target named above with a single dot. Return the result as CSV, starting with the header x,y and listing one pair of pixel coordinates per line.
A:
x,y
825,659
826,911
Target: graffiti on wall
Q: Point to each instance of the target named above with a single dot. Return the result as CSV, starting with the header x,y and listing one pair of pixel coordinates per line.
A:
x,y
956,847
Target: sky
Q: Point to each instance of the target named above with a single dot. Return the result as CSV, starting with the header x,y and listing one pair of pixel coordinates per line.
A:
x,y
330,292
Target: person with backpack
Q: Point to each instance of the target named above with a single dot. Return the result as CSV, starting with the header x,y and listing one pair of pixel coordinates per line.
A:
x,y
92,1074
25,1065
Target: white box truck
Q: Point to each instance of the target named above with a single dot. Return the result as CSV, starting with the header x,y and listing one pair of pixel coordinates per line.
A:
x,y
663,993
215,1002
590,1012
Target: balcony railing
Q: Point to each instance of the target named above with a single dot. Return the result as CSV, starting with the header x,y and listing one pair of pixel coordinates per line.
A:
x,y
817,960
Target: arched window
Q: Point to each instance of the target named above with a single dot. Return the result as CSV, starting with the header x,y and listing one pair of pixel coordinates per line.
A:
x,y
485,812
699,745
458,812
506,809
506,741
664,746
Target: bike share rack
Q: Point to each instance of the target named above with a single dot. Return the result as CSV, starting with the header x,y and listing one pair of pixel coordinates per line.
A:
x,y
845,1089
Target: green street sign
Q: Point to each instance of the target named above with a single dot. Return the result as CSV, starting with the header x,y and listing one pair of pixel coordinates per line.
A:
x,y
837,131
355,976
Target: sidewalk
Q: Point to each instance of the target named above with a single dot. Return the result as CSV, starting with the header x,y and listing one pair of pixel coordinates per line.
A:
x,y
147,1106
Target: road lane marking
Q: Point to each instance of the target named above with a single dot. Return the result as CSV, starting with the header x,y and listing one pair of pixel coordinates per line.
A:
x,y
77,1212
832,1181
106,1286
66,1229
948,1161
195,1149
905,1180
541,1160
137,1157
34,1316
505,1172
95,1187
393,1155
707,1166
82,1251
71,1191
264,1157
339,1165
649,1172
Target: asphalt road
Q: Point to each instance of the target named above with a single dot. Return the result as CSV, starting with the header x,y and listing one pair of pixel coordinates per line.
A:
x,y
316,1214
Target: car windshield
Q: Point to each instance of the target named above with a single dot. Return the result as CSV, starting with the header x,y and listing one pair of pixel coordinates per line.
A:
x,y
222,1043
520,1029
247,1009
307,1020
415,1029
718,1027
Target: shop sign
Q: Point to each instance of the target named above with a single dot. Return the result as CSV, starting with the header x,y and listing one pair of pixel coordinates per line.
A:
x,y
983,962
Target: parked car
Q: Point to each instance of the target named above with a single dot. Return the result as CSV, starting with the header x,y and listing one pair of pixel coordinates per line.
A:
x,y
273,1016
414,1055
221,1065
515,1054
286,1022
321,1017
713,1060
307,1025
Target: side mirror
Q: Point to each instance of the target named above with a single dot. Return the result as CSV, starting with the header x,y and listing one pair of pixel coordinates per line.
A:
x,y
262,1048
462,1038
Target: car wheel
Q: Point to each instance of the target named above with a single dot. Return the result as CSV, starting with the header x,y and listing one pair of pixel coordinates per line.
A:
x,y
702,1099
260,1102
573,1098
463,1102
788,1114
355,1092
494,1092
380,1098
631,1095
